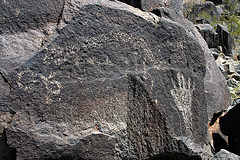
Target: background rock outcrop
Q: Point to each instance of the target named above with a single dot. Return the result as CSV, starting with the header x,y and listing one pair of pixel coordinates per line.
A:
x,y
209,34
108,80
150,5
199,10
226,40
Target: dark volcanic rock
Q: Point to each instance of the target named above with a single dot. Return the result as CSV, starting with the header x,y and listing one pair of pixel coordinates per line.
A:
x,y
143,83
21,15
232,83
26,26
224,154
225,39
4,86
218,98
215,55
236,77
199,11
150,5
230,126
23,37
6,153
209,34
6,115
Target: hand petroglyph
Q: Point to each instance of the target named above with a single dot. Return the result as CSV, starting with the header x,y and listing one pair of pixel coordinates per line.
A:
x,y
182,94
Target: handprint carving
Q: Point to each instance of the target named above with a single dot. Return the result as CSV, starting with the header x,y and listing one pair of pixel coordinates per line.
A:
x,y
182,94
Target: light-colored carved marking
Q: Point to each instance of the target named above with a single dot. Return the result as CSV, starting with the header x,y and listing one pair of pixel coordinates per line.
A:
x,y
47,81
182,95
29,73
33,78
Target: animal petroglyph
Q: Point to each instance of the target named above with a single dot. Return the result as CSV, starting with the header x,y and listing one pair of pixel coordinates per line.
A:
x,y
182,94
48,82
27,80
32,78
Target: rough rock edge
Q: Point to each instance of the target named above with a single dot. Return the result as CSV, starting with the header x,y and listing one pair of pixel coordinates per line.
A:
x,y
224,154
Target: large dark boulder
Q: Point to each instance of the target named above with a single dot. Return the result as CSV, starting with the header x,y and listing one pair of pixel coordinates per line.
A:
x,y
113,72
146,81
230,126
209,34
225,39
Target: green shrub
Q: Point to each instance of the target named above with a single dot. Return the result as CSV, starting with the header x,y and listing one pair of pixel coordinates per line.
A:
x,y
188,5
229,18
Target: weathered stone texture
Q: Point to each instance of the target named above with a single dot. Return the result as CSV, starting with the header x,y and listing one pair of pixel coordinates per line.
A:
x,y
25,26
218,98
229,124
204,12
224,154
225,39
209,35
84,76
150,5
22,15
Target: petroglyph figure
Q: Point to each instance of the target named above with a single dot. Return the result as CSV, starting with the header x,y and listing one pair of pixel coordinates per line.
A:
x,y
28,79
182,94
48,81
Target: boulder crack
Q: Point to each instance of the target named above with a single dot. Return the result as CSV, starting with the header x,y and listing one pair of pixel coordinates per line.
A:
x,y
5,79
60,17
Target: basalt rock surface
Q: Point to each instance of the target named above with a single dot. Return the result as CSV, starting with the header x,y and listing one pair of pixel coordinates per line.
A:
x,y
112,82
209,34
199,11
229,124
150,5
224,154
24,27
225,39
